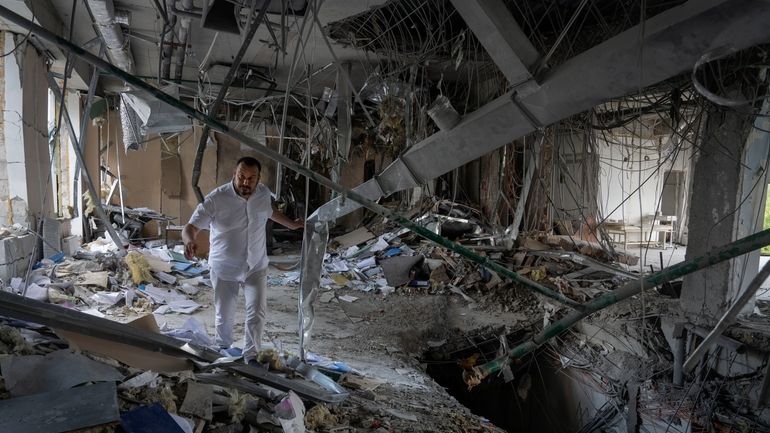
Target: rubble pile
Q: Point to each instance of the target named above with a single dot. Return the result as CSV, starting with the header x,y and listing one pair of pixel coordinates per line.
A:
x,y
384,258
79,332
138,374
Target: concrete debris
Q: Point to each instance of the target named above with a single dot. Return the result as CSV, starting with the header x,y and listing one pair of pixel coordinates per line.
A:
x,y
377,263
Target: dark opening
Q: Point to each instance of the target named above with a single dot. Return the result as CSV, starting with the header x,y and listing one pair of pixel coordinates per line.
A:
x,y
368,169
529,402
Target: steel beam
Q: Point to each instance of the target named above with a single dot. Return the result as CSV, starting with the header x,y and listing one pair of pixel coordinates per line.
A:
x,y
501,36
83,129
671,44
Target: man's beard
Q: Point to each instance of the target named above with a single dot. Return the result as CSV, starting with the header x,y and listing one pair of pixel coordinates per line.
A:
x,y
244,190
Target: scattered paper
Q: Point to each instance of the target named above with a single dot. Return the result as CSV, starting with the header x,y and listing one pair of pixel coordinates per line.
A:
x,y
165,277
108,298
186,306
366,263
162,296
348,298
94,312
15,283
337,265
37,293
147,378
189,289
380,245
192,331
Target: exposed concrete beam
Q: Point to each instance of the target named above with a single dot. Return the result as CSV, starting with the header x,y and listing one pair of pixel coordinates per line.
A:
x,y
501,36
672,42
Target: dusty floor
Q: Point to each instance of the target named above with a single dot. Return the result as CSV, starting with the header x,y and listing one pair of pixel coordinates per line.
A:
x,y
380,336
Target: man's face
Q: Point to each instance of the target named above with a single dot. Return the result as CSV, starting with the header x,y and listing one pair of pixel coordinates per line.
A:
x,y
245,179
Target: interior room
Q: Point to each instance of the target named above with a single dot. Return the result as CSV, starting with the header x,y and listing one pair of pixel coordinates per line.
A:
x,y
384,216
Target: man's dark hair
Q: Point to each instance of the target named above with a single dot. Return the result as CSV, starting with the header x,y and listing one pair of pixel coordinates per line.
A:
x,y
249,162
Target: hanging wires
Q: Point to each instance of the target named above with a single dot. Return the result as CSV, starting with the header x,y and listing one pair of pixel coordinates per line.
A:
x,y
18,44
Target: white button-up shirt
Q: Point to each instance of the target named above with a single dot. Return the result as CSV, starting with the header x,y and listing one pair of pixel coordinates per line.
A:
x,y
237,230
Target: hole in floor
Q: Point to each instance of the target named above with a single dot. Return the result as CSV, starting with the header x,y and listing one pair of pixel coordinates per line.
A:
x,y
537,399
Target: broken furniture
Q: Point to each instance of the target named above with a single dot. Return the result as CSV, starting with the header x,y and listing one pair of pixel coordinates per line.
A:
x,y
134,220
655,234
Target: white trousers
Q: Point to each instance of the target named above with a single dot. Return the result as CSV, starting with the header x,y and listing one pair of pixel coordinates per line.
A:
x,y
225,300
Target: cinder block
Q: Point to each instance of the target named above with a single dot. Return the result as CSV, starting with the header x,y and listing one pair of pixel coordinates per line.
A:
x,y
14,255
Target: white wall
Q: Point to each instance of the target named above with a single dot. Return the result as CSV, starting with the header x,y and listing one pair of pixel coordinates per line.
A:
x,y
13,203
626,164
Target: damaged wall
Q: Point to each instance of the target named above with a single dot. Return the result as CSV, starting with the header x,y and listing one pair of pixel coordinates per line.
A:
x,y
35,129
14,152
159,177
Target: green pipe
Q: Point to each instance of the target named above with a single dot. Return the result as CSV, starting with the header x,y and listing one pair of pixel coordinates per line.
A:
x,y
726,252
67,46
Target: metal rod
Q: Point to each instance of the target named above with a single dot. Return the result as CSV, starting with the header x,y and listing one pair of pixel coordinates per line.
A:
x,y
254,25
727,318
282,131
95,196
344,72
563,33
83,129
726,252
288,162
679,351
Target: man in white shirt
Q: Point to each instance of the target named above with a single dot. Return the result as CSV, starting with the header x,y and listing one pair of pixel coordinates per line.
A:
x,y
236,214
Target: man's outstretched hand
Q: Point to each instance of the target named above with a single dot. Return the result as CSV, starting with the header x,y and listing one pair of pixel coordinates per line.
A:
x,y
190,250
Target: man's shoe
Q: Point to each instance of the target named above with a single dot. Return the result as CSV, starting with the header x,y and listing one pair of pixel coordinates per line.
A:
x,y
231,352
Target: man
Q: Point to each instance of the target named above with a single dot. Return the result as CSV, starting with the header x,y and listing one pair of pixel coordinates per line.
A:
x,y
236,214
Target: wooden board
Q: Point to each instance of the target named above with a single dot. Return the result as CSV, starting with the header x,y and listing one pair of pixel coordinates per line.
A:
x,y
358,236
61,411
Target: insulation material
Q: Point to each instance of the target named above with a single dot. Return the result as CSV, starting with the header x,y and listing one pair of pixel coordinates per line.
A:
x,y
154,116
133,139
140,269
